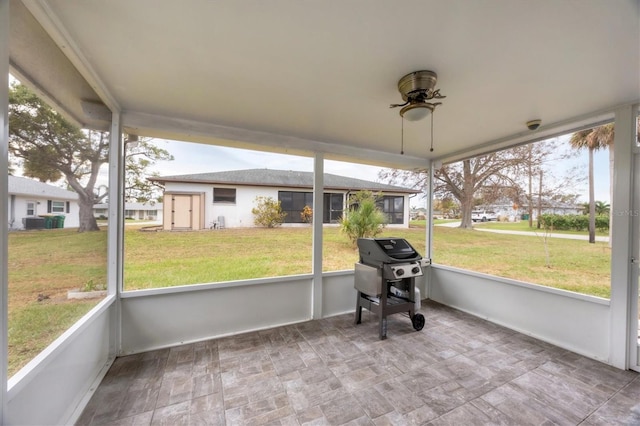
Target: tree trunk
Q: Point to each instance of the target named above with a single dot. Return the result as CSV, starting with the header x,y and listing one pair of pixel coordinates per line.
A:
x,y
592,201
466,201
87,220
530,193
540,199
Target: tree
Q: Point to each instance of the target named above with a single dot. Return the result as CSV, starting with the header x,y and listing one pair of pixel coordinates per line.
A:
x,y
537,178
602,208
50,148
364,218
446,205
268,212
593,140
464,179
139,156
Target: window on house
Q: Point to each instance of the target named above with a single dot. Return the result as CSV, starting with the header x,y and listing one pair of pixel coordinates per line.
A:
x,y
333,207
393,207
57,207
31,208
224,195
293,203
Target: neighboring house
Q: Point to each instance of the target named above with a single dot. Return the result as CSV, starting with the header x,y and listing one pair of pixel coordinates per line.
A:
x,y
225,199
137,211
507,210
29,199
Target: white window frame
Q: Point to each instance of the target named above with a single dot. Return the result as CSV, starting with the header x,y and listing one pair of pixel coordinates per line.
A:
x,y
33,209
58,206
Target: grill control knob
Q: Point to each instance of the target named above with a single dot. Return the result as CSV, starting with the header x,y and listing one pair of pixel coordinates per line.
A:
x,y
399,272
415,270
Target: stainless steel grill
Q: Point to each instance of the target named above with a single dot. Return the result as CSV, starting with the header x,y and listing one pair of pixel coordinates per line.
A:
x,y
385,280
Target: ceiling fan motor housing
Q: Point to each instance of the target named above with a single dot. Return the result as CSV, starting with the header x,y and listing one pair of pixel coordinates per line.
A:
x,y
417,82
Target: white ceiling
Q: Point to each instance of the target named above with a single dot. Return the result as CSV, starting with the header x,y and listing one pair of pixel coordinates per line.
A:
x,y
319,75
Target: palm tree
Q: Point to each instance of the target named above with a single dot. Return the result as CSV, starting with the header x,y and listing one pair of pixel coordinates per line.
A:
x,y
594,140
602,208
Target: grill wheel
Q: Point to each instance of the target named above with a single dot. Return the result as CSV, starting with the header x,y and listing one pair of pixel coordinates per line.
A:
x,y
418,322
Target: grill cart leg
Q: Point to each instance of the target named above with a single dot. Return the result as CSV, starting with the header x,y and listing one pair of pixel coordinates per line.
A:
x,y
358,318
383,327
383,316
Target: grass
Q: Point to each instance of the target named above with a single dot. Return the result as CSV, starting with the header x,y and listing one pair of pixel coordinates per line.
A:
x,y
44,265
574,265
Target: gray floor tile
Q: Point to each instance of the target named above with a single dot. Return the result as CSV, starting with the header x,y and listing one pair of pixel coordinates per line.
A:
x,y
457,370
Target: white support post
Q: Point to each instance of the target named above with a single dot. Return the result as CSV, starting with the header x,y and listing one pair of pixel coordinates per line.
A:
x,y
318,208
634,345
4,196
115,237
621,210
429,227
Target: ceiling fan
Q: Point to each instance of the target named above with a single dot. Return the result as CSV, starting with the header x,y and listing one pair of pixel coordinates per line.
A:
x,y
417,89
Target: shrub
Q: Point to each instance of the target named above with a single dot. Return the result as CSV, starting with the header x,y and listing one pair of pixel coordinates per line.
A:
x,y
268,212
602,223
572,222
306,214
364,219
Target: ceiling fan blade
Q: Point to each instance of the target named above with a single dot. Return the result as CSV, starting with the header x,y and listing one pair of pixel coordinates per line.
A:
x,y
398,105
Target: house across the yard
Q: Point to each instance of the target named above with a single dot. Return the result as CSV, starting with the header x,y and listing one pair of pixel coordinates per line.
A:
x,y
31,203
510,211
225,199
137,211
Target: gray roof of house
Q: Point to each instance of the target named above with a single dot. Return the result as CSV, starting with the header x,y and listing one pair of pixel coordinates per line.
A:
x,y
24,186
282,178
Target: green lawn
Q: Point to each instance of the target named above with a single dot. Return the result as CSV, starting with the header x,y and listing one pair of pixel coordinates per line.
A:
x,y
43,265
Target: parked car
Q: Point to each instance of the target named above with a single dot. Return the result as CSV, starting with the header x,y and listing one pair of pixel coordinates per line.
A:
x,y
483,216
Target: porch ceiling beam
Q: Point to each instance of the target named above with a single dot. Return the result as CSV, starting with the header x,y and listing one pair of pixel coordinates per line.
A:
x,y
235,137
50,22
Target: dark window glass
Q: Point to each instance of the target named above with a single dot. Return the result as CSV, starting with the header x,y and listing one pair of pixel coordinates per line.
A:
x,y
293,203
224,195
333,204
393,207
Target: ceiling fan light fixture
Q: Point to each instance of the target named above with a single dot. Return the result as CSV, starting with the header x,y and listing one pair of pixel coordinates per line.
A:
x,y
416,111
417,89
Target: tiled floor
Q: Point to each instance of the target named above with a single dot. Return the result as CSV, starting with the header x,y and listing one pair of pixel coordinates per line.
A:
x,y
458,370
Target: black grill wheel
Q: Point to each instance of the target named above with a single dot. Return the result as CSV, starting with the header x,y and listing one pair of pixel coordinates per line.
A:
x,y
418,322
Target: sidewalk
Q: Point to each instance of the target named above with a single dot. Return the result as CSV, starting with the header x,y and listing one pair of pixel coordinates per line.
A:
x,y
542,234
530,233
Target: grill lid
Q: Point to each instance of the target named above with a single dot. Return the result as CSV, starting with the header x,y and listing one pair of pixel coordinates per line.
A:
x,y
386,250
